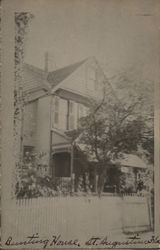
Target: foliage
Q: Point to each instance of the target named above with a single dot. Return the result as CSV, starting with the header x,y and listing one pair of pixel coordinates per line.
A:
x,y
110,129
22,20
32,184
131,87
84,184
21,24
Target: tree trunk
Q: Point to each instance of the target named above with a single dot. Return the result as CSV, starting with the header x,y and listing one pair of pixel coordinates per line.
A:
x,y
102,179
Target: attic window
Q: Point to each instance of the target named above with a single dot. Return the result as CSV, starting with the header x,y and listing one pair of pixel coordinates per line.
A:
x,y
91,79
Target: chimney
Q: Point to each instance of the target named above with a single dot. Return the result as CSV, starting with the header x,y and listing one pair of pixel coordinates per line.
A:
x,y
46,65
46,62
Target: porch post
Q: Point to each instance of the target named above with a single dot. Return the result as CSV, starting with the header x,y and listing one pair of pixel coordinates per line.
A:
x,y
136,178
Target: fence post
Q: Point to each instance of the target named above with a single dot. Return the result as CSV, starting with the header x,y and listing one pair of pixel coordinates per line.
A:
x,y
150,211
96,183
72,182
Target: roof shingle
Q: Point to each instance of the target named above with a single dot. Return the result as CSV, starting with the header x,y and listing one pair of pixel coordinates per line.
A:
x,y
33,77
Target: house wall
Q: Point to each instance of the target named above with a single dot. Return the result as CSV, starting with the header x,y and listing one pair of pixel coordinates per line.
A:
x,y
43,129
80,81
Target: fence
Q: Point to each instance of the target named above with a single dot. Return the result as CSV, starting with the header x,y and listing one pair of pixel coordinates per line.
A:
x,y
136,214
77,216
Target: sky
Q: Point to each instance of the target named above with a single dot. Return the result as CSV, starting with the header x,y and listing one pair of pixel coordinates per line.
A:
x,y
121,34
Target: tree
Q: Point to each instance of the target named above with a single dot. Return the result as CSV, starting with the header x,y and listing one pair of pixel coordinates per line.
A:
x,y
22,20
131,86
110,129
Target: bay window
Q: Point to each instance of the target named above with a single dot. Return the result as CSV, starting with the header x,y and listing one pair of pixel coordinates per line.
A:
x,y
66,113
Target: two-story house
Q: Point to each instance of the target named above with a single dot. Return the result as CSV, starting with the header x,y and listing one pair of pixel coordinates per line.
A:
x,y
55,101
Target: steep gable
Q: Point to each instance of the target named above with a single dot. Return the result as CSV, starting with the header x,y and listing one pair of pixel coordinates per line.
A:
x,y
57,76
81,83
75,78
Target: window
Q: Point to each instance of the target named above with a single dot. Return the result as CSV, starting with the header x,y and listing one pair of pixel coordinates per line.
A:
x,y
91,81
63,107
71,115
60,110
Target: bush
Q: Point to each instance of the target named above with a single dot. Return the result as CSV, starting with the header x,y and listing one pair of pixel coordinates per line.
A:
x,y
30,184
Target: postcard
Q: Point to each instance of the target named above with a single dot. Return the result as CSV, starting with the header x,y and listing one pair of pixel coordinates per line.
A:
x,y
80,133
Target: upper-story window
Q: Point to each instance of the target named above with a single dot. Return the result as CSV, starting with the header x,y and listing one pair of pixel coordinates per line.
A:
x,y
56,111
73,115
66,113
60,112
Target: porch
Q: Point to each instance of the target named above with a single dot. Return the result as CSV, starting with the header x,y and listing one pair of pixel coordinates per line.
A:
x,y
71,168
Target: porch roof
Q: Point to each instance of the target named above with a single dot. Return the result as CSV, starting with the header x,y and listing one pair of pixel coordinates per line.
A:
x,y
131,160
127,160
60,142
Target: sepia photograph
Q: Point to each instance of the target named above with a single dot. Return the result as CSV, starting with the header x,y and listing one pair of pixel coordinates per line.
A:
x,y
82,165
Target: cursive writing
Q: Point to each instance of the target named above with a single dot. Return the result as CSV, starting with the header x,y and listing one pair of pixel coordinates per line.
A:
x,y
106,243
94,241
35,239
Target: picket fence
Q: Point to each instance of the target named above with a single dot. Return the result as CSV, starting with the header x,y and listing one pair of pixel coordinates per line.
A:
x,y
73,216
83,196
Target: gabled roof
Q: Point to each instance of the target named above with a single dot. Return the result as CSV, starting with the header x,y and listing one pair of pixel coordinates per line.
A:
x,y
36,79
59,75
33,77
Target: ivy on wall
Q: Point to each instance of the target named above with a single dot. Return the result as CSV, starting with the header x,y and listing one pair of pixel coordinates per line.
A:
x,y
22,20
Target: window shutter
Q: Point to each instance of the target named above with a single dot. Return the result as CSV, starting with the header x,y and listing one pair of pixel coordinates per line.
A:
x,y
56,111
